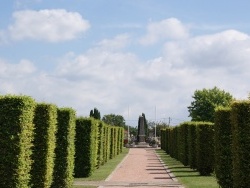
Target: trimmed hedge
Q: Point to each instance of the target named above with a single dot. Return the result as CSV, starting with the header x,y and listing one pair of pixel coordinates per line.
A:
x,y
65,149
223,145
205,148
45,122
100,139
112,143
86,147
241,143
192,159
107,140
183,143
16,133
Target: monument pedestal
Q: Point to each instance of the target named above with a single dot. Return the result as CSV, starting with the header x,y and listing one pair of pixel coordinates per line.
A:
x,y
142,145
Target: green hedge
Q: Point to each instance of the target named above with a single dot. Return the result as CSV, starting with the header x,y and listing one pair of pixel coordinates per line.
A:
x,y
205,148
16,133
223,145
163,139
86,146
241,143
65,149
112,142
183,143
192,161
45,122
107,140
100,139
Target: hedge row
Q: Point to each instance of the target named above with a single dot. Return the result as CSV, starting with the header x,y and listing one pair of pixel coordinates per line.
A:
x,y
38,143
101,143
65,149
16,133
240,119
192,144
45,121
222,147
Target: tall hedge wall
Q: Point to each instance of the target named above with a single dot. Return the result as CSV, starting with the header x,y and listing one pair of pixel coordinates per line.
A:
x,y
205,148
223,146
192,159
112,143
241,143
100,139
65,149
183,143
107,140
45,122
16,136
86,147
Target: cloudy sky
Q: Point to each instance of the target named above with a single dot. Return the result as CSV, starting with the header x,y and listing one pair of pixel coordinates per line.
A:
x,y
124,57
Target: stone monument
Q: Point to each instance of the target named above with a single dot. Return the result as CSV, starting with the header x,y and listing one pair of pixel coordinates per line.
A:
x,y
141,133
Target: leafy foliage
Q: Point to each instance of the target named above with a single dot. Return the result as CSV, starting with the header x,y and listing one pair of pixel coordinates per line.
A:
x,y
205,102
223,145
86,146
192,144
241,143
205,148
114,120
65,149
45,121
16,136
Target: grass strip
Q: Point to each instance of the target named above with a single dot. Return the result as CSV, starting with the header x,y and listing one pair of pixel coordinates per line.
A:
x,y
185,175
103,171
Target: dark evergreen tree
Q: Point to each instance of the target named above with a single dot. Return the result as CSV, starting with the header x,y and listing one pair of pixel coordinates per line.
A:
x,y
95,114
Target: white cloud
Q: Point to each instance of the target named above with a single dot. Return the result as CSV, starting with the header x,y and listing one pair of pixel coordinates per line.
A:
x,y
117,43
170,28
113,80
50,25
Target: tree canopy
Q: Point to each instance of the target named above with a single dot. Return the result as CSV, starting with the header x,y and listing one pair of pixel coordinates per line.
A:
x,y
115,120
205,101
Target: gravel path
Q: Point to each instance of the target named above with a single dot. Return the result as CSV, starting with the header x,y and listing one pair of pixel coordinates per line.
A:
x,y
141,168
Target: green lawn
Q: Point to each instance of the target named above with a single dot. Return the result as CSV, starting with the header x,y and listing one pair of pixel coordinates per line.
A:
x,y
188,177
104,171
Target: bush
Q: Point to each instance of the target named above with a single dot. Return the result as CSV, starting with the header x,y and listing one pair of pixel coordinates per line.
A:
x,y
45,121
86,147
241,143
183,143
16,133
192,161
100,139
205,148
65,149
223,144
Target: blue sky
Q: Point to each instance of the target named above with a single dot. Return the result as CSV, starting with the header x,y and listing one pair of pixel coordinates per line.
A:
x,y
125,57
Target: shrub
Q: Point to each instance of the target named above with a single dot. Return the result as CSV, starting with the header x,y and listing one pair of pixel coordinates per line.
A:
x,y
241,143
86,147
223,144
100,139
65,149
192,145
45,122
16,136
205,148
183,143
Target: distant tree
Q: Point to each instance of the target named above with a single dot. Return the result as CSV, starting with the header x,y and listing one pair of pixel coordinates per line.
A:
x,y
205,102
155,127
115,120
95,113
